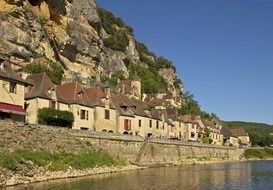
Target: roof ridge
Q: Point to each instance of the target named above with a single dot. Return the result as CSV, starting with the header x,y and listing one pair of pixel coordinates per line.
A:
x,y
42,81
74,94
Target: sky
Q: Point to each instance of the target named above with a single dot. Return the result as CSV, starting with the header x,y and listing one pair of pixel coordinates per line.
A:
x,y
222,49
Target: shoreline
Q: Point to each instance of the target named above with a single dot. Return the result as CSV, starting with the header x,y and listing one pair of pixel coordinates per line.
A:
x,y
17,179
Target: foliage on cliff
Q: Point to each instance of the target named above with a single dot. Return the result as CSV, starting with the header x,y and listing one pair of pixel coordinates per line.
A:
x,y
118,40
55,71
117,30
192,107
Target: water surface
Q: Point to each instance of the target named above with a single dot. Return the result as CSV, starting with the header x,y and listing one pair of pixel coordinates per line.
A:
x,y
243,175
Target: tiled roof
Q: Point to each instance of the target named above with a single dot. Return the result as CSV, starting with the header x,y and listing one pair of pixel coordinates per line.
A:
x,y
96,94
157,114
187,118
42,87
140,107
74,93
173,114
156,102
238,132
123,104
8,73
226,132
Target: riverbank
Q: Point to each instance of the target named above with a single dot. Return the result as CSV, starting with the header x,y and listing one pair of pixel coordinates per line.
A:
x,y
239,175
33,153
13,178
46,175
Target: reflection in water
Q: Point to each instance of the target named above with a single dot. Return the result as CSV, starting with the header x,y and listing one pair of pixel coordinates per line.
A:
x,y
245,175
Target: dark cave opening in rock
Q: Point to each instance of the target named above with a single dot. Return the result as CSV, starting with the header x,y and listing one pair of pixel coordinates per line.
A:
x,y
35,2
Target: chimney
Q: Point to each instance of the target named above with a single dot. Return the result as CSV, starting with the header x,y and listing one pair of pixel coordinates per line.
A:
x,y
107,90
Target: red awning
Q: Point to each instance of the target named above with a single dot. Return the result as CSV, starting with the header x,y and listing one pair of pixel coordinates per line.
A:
x,y
8,108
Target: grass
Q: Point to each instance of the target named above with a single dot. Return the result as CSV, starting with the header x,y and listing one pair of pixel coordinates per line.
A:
x,y
259,153
57,161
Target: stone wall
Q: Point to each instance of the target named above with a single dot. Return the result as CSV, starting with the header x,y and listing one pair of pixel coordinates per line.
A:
x,y
133,149
141,151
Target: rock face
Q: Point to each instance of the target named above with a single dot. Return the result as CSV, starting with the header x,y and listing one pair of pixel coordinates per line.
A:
x,y
66,31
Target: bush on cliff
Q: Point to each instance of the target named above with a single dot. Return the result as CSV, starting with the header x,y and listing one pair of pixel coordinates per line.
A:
x,y
151,82
48,116
55,72
118,41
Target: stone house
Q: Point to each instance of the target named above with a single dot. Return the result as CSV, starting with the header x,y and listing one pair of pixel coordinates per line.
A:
x,y
173,117
125,115
228,138
78,103
42,93
215,131
190,127
132,88
242,136
159,125
12,91
142,119
104,110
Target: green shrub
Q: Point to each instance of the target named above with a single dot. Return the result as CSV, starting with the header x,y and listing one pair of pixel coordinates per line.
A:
x,y
109,21
151,82
9,162
143,50
117,30
48,116
55,71
118,41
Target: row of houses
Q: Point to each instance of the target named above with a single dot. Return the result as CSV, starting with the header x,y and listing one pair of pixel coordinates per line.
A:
x,y
98,109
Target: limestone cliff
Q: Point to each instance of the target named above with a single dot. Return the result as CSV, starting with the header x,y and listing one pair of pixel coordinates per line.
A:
x,y
85,39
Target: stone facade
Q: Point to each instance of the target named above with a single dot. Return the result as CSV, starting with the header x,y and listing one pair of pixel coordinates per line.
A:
x,y
83,117
105,119
12,92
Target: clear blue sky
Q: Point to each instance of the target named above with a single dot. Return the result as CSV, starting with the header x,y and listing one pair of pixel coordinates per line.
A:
x,y
223,50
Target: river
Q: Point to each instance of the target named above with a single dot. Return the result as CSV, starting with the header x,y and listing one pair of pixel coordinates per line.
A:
x,y
252,175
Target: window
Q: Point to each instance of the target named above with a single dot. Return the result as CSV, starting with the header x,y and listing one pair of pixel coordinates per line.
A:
x,y
151,123
192,126
127,124
53,105
157,124
107,114
84,128
84,114
139,123
12,87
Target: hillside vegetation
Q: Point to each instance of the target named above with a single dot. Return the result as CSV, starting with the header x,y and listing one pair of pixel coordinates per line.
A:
x,y
259,132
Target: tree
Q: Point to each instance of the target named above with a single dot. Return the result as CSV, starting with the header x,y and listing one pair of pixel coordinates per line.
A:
x,y
48,116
